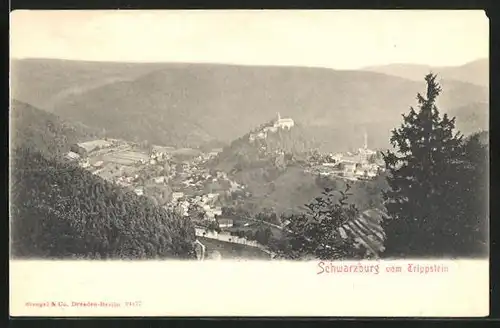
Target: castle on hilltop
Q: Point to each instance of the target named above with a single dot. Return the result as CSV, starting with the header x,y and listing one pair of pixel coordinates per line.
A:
x,y
284,123
279,123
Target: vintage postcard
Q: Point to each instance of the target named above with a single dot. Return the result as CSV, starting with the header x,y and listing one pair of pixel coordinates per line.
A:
x,y
249,163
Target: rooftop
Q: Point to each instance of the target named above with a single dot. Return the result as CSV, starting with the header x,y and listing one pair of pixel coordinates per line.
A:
x,y
163,148
91,145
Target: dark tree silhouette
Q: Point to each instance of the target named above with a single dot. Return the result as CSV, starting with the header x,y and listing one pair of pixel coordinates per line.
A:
x,y
426,200
263,235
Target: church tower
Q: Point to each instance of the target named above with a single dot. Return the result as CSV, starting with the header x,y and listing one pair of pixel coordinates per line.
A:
x,y
278,115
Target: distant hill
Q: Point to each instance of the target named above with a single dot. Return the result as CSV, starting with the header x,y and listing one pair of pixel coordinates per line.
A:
x,y
475,72
45,132
472,117
188,105
44,82
60,211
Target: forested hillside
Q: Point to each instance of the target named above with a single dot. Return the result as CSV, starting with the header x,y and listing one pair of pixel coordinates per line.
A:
x,y
61,211
472,118
191,104
43,82
47,133
276,149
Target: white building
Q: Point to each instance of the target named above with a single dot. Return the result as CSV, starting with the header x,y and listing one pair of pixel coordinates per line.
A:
x,y
86,147
284,123
261,135
336,157
72,156
181,208
225,223
359,172
349,168
210,216
98,164
217,211
221,175
177,195
212,196
161,179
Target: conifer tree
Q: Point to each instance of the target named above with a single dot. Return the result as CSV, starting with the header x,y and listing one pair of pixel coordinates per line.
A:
x,y
422,174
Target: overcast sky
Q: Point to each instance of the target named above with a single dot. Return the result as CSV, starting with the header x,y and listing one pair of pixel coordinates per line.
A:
x,y
335,39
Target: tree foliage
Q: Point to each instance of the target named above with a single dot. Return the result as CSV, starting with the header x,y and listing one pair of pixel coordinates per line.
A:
x,y
62,211
263,235
430,177
47,133
317,232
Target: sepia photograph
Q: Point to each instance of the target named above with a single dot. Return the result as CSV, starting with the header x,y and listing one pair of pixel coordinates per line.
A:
x,y
346,139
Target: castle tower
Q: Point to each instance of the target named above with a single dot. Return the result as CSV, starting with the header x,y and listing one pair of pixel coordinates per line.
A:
x,y
278,115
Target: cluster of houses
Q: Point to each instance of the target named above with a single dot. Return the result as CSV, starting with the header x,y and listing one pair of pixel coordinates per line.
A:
x,y
195,188
201,203
184,175
351,165
358,170
126,181
204,204
159,154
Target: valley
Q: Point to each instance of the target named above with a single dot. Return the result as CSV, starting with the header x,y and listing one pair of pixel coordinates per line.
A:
x,y
229,151
191,183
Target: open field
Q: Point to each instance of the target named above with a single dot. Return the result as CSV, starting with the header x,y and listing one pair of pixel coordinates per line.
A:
x,y
108,171
185,152
125,157
230,251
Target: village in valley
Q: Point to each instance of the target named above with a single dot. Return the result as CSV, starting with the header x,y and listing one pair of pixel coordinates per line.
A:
x,y
173,178
365,164
181,180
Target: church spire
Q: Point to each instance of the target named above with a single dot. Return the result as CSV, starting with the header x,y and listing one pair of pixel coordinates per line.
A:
x,y
366,141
